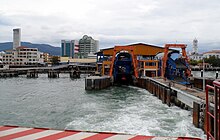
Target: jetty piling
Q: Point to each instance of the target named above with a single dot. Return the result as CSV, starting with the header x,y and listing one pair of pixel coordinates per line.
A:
x,y
74,74
8,73
53,74
32,74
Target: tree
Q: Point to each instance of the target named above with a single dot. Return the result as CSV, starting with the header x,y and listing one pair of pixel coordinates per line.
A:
x,y
55,60
193,62
214,61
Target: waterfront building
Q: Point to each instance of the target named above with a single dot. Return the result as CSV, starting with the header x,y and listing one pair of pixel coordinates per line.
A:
x,y
27,56
7,57
22,56
69,48
206,65
77,60
196,57
88,47
16,38
46,57
1,57
215,53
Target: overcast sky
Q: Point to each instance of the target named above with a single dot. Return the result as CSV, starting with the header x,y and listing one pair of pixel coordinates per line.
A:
x,y
113,22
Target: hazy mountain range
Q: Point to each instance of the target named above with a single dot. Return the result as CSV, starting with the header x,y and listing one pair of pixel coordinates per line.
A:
x,y
41,47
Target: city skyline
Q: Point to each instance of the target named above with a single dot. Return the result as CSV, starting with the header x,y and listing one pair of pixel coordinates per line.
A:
x,y
113,22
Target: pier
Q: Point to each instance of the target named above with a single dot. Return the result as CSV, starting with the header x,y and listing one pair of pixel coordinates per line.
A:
x,y
74,71
186,98
8,73
97,82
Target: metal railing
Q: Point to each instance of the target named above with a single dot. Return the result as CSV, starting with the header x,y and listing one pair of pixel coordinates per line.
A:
x,y
213,135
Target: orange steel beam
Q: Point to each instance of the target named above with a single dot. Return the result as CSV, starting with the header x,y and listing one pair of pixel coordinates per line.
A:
x,y
134,64
130,50
166,49
164,60
175,45
112,64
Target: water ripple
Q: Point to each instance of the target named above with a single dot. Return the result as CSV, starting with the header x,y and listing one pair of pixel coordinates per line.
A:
x,y
63,103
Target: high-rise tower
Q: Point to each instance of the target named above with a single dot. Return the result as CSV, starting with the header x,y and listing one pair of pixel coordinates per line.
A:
x,y
195,46
87,45
69,48
16,38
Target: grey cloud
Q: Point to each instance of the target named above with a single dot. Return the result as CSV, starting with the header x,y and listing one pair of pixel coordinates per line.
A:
x,y
5,21
123,22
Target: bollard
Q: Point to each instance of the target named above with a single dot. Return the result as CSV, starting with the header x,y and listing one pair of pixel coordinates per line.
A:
x,y
216,76
201,73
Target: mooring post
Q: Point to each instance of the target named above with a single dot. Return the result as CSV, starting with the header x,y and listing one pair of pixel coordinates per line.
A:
x,y
196,114
201,73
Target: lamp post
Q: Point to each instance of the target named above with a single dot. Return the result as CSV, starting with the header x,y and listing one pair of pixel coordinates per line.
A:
x,y
203,68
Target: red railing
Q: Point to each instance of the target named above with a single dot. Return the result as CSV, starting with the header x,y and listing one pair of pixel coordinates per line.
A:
x,y
214,135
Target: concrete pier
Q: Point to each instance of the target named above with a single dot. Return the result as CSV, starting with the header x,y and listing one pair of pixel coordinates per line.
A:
x,y
97,82
182,96
162,92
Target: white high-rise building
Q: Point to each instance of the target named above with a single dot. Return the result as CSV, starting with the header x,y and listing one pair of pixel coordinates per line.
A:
x,y
16,38
88,46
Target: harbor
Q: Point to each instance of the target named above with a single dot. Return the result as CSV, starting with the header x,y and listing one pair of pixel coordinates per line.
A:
x,y
109,70
119,109
164,73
